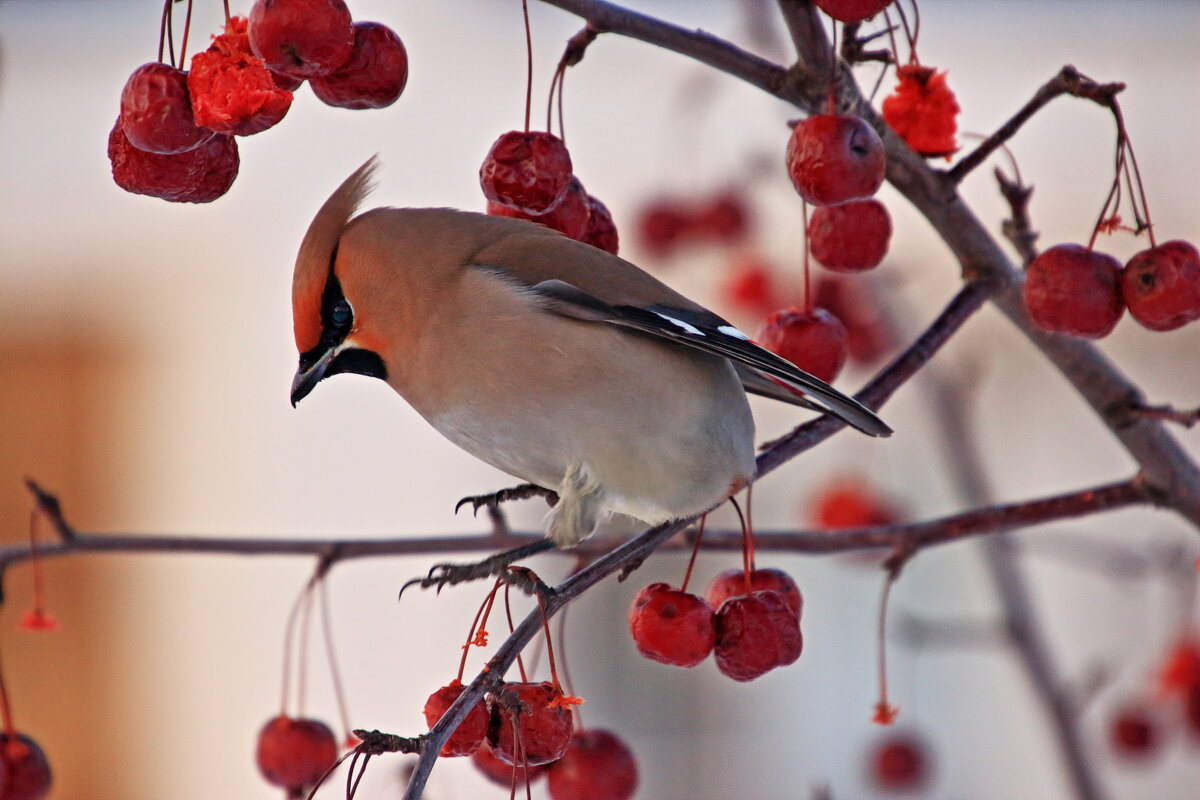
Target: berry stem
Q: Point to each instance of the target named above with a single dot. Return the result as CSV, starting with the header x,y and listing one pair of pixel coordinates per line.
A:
x,y
747,546
228,16
39,582
289,631
478,628
335,673
549,648
1141,191
512,628
6,709
910,33
302,649
166,31
807,287
687,575
528,62
885,713
187,29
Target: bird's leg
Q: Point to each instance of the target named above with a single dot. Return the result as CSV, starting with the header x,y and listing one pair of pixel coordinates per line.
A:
x,y
443,574
522,492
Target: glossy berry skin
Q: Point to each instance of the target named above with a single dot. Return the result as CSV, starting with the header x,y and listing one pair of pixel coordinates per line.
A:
x,y
601,230
470,733
294,753
301,38
501,773
596,766
232,90
815,341
1072,290
851,237
852,10
835,158
672,627
899,764
156,111
543,724
199,175
570,217
24,770
732,583
1132,734
528,171
1161,286
755,634
373,77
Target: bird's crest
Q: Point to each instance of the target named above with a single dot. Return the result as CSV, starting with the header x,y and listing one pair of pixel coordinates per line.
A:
x,y
315,258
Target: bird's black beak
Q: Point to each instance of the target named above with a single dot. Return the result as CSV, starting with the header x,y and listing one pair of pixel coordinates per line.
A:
x,y
317,365
310,374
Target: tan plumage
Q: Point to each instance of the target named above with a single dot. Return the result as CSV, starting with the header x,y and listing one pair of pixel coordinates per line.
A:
x,y
551,360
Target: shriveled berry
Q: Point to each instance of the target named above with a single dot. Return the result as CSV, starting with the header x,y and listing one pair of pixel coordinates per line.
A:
x,y
199,175
722,218
569,217
849,502
470,733
672,627
301,38
156,111
1161,286
24,770
529,171
755,634
732,583
232,90
815,341
852,10
870,332
530,720
834,158
1070,289
500,773
661,225
923,110
294,753
1133,734
373,76
850,237
601,230
596,766
898,763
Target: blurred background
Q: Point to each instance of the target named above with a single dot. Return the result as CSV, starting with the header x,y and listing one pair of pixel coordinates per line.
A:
x,y
146,355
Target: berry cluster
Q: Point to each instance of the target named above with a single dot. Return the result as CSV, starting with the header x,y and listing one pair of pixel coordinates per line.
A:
x,y
174,136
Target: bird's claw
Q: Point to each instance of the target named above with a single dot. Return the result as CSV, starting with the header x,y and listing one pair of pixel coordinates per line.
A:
x,y
446,574
522,492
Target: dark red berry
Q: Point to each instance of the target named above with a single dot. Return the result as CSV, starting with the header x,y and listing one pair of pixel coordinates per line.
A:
x,y
815,341
852,10
1070,289
530,720
232,90
850,503
1161,286
898,763
301,38
294,753
870,332
1133,733
672,627
528,171
723,218
373,76
834,158
156,111
501,773
24,770
596,766
199,175
569,217
732,583
755,634
470,733
661,225
850,237
1181,668
601,230
1191,709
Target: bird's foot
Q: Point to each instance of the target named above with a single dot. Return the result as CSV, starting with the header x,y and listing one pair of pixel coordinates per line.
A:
x,y
497,565
522,492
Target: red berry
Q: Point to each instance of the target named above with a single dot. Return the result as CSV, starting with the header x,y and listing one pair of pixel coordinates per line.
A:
x,y
1133,733
294,753
540,729
501,773
815,341
661,225
232,90
24,771
1070,289
672,627
1161,286
596,766
373,76
755,634
156,111
851,237
301,38
601,230
199,175
732,583
850,503
751,286
898,763
869,330
834,158
723,218
1191,709
923,110
470,732
1181,669
569,217
526,170
852,10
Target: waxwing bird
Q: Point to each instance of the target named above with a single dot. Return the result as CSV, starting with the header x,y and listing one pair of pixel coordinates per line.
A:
x,y
554,361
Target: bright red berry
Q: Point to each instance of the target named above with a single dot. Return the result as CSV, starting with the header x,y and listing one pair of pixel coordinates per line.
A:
x,y
1070,289
755,634
722,218
601,230
850,237
833,158
815,341
661,225
1133,734
732,583
530,720
1161,286
232,90
672,627
1181,669
751,287
529,171
294,753
923,110
301,38
569,217
373,76
898,763
501,773
199,175
852,10
596,766
156,111
470,733
24,770
850,503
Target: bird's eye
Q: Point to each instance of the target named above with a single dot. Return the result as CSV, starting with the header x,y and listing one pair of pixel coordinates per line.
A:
x,y
341,314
